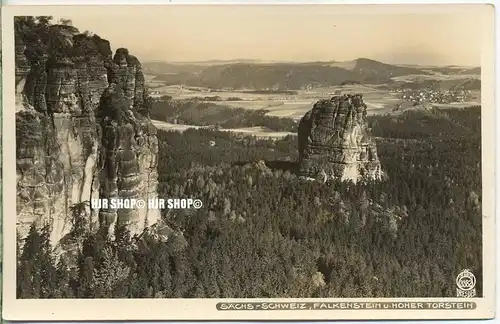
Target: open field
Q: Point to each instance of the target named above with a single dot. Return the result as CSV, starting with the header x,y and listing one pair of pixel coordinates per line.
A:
x,y
379,101
293,106
260,132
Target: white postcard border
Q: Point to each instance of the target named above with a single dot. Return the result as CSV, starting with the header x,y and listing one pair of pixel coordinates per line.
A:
x,y
205,309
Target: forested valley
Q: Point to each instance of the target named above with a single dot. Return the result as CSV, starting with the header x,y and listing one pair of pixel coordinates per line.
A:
x,y
264,232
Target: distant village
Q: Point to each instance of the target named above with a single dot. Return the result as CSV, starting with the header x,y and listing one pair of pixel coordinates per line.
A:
x,y
417,97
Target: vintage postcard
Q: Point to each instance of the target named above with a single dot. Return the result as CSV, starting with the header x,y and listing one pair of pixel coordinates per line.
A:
x,y
1,202
248,162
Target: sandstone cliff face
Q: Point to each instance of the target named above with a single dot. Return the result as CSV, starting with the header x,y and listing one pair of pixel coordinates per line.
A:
x,y
334,141
82,133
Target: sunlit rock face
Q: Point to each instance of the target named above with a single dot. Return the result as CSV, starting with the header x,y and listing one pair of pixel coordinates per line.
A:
x,y
82,133
334,141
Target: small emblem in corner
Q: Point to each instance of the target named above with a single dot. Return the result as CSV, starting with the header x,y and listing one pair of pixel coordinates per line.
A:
x,y
466,283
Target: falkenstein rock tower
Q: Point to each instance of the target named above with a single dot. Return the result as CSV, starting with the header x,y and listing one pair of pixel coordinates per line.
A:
x,y
335,143
82,132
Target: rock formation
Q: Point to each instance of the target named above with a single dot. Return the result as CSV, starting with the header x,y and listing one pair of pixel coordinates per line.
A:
x,y
334,141
82,132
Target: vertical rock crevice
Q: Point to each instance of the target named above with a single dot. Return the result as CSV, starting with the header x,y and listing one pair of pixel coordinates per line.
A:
x,y
82,133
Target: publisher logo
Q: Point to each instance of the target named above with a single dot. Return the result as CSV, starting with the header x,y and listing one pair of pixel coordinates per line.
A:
x,y
466,283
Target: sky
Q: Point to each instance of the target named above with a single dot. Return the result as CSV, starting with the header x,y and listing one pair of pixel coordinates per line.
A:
x,y
288,33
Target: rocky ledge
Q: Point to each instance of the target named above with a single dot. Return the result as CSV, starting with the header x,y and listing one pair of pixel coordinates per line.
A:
x,y
82,132
335,142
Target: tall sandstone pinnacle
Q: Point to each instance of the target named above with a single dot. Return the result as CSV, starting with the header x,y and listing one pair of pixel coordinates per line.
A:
x,y
334,141
82,133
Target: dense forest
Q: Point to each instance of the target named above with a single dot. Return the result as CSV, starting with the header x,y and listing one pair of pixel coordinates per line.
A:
x,y
264,232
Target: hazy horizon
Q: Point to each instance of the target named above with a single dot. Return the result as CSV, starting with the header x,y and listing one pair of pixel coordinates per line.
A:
x,y
301,61
179,34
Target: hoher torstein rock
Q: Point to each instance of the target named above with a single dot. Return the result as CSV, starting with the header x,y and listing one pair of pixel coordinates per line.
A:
x,y
334,141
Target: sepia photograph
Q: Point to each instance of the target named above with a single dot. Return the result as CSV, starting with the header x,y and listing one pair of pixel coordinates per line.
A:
x,y
1,182
248,162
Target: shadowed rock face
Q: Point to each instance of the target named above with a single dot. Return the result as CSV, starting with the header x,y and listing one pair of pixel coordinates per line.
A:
x,y
334,141
82,133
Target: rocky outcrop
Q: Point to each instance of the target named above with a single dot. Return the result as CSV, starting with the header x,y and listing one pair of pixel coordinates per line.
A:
x,y
83,133
334,141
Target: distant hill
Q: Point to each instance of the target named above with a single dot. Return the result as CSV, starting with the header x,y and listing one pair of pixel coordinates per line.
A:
x,y
212,62
456,70
476,70
443,85
275,76
255,74
157,68
282,76
377,72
